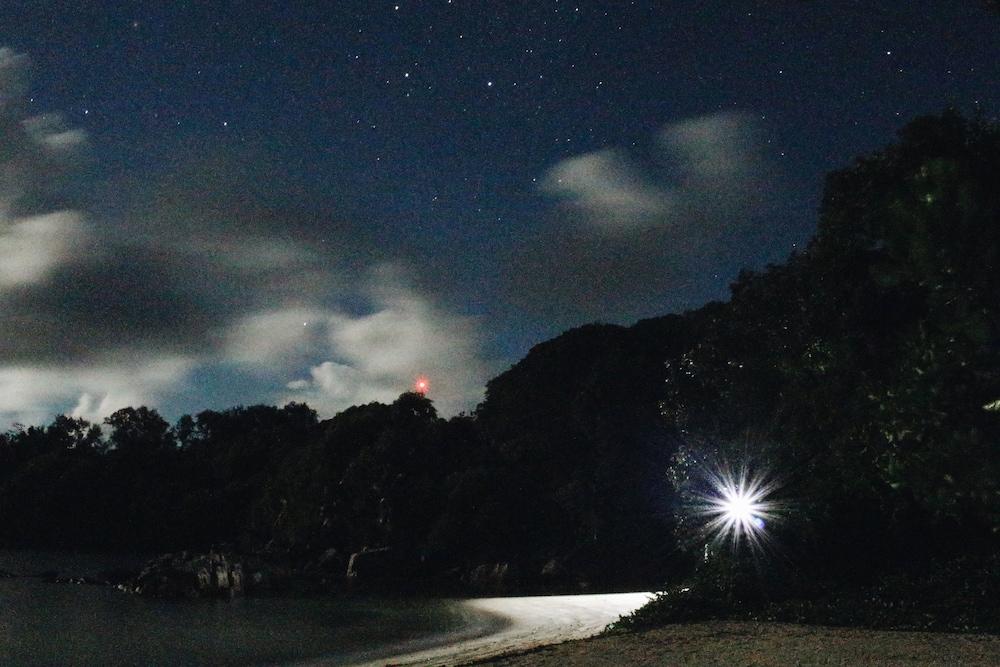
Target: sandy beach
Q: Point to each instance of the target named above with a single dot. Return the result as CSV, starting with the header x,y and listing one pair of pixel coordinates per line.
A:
x,y
502,625
764,645
561,630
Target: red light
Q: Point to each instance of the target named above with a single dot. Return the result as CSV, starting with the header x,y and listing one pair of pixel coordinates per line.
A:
x,y
421,385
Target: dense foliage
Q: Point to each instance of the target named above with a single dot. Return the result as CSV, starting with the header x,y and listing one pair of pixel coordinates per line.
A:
x,y
864,372
545,473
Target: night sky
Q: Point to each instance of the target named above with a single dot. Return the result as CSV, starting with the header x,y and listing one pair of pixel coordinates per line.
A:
x,y
207,204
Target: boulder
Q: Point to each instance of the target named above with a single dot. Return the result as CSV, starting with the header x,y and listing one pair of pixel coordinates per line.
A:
x,y
70,579
191,575
493,577
553,570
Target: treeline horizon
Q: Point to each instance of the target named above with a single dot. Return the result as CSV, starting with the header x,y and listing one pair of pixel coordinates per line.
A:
x,y
863,373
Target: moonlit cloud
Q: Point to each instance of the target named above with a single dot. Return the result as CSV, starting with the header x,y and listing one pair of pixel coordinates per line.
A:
x,y
32,244
31,248
718,165
709,168
611,193
200,273
34,394
632,232
716,146
264,339
45,268
376,355
51,134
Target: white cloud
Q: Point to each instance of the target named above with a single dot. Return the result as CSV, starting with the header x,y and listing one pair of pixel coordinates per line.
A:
x,y
715,146
710,169
608,190
379,355
33,394
279,336
334,385
374,355
32,247
643,225
49,132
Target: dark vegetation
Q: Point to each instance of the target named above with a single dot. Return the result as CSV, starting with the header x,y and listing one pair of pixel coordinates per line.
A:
x,y
863,372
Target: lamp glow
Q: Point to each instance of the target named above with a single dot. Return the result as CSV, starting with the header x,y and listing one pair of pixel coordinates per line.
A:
x,y
738,507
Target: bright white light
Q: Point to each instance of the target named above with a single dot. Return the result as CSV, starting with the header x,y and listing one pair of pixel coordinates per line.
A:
x,y
738,507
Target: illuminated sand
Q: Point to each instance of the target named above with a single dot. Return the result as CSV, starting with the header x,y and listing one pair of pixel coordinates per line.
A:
x,y
767,645
523,623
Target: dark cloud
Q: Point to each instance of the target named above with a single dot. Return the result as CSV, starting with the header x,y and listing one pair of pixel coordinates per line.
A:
x,y
103,305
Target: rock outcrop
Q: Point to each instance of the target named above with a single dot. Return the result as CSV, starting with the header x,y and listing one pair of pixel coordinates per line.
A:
x,y
191,575
493,578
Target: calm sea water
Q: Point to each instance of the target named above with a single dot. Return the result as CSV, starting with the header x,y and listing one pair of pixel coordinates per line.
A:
x,y
65,624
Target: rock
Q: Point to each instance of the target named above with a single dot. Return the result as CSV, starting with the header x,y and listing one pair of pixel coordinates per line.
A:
x,y
69,579
330,561
493,577
113,577
116,576
553,569
261,576
380,566
186,575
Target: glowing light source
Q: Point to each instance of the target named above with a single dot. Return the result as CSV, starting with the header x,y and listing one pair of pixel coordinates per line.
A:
x,y
738,507
422,385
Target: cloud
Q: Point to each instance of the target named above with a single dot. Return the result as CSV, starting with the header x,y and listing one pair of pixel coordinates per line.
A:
x,y
50,134
211,267
13,80
31,248
612,195
629,242
31,395
379,354
708,167
718,165
277,337
712,147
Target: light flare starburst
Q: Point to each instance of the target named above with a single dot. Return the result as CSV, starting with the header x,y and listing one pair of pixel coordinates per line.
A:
x,y
739,507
